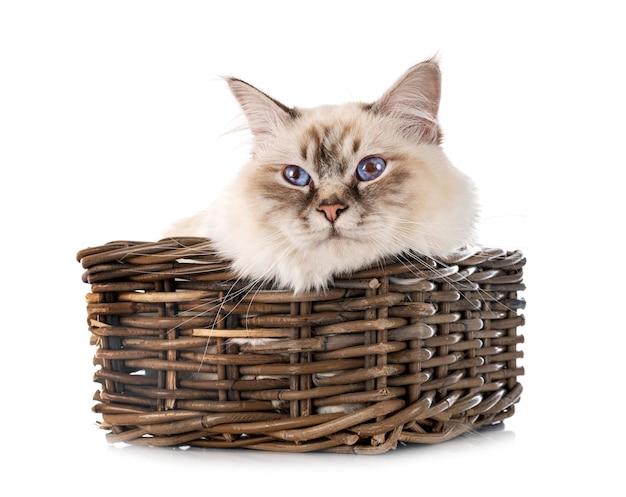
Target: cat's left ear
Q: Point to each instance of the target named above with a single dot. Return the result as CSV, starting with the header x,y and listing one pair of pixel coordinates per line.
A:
x,y
413,101
264,114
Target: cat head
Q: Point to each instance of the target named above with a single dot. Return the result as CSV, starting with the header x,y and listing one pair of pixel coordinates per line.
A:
x,y
333,188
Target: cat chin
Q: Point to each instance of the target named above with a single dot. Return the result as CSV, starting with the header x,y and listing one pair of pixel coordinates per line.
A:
x,y
291,273
298,280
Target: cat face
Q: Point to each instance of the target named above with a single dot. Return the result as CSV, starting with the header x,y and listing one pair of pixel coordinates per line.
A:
x,y
331,189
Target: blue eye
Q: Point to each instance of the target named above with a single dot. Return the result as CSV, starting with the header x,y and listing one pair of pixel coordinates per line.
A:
x,y
370,168
296,176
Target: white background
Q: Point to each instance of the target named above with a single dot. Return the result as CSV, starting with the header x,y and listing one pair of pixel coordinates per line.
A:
x,y
114,122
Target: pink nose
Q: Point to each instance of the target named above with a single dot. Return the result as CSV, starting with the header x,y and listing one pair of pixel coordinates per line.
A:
x,y
331,211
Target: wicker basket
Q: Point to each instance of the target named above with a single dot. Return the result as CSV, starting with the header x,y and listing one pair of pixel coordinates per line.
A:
x,y
411,353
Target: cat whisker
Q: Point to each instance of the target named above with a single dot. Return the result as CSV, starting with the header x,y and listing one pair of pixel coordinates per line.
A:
x,y
461,281
254,285
438,266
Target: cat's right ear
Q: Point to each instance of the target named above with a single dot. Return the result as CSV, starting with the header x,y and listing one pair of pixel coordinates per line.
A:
x,y
264,114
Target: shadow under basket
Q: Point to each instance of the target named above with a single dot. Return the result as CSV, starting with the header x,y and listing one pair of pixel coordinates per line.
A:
x,y
400,353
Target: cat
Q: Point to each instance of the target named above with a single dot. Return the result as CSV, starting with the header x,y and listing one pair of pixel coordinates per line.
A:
x,y
335,188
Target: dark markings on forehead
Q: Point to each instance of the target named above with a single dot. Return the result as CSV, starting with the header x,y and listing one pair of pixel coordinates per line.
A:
x,y
322,145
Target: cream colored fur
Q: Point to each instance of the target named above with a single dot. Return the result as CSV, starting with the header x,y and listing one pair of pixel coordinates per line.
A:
x,y
275,232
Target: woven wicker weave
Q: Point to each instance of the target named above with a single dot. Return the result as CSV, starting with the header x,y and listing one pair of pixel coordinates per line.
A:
x,y
421,352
